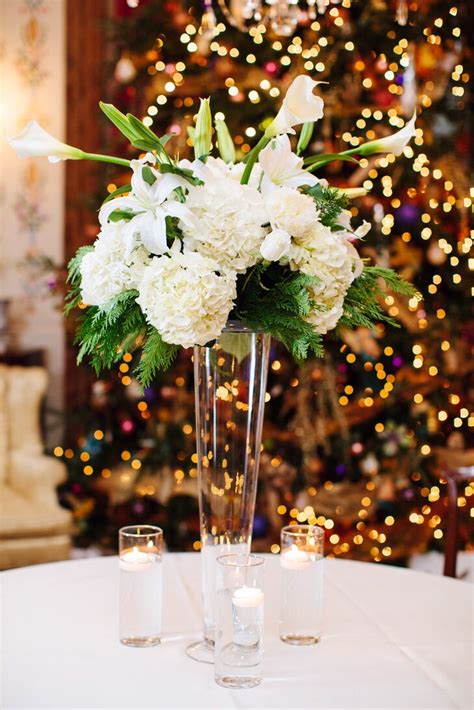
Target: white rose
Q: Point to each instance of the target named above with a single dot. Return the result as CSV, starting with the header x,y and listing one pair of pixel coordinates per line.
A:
x,y
186,297
275,245
300,105
291,211
112,267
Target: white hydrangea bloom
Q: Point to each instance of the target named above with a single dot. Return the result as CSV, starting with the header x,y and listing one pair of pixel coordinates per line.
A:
x,y
227,223
328,313
291,211
335,262
186,297
113,266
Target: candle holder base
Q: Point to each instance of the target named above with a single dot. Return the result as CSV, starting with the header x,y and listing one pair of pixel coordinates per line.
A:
x,y
141,642
201,651
300,640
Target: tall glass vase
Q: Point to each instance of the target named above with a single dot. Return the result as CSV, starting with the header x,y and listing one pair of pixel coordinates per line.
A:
x,y
230,377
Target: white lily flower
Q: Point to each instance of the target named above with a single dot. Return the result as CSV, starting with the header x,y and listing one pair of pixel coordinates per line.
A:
x,y
283,167
150,205
300,105
35,142
275,245
391,144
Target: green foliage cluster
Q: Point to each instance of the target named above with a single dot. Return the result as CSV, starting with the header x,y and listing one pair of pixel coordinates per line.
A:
x,y
330,202
363,301
274,299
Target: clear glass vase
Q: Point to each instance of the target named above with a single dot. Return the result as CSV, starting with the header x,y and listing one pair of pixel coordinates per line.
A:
x,y
230,377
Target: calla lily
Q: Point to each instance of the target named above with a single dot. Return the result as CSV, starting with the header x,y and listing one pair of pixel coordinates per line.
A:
x,y
300,105
150,205
275,245
34,142
283,167
391,144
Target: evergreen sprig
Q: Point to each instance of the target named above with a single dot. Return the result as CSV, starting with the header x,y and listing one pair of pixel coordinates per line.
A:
x,y
363,301
156,355
277,301
330,203
73,296
106,332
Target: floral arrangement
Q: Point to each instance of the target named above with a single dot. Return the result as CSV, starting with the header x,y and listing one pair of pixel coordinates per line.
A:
x,y
186,246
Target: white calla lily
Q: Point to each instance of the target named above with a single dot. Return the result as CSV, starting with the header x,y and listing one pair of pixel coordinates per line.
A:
x,y
151,204
35,142
300,105
391,144
275,245
283,167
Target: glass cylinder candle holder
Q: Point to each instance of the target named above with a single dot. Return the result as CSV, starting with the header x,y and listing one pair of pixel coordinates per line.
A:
x,y
239,621
141,583
301,563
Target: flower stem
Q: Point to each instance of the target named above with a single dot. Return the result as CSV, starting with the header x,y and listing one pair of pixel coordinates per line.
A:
x,y
252,159
106,159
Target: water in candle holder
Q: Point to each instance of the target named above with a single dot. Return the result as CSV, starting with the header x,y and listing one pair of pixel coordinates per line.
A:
x,y
141,580
302,599
209,554
239,629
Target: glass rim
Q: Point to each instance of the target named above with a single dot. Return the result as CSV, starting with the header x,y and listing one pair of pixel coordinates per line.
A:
x,y
302,530
229,560
239,326
146,531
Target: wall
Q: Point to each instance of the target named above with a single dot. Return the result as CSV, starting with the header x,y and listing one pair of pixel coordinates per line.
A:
x,y
32,86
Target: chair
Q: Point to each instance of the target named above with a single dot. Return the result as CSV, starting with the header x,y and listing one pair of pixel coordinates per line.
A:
x,y
452,478
33,526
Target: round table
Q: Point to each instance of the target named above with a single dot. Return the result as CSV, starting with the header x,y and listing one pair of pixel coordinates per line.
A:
x,y
392,638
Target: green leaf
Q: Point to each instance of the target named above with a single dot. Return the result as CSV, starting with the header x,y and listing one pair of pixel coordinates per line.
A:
x,y
148,175
116,193
183,172
118,119
236,344
117,215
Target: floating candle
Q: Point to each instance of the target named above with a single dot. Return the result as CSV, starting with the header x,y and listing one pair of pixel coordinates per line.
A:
x,y
247,597
295,559
135,560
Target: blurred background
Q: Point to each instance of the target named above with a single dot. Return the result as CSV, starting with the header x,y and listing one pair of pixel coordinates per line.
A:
x,y
375,441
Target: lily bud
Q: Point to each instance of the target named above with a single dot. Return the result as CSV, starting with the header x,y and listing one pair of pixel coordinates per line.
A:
x,y
203,134
352,192
391,144
35,142
226,144
305,137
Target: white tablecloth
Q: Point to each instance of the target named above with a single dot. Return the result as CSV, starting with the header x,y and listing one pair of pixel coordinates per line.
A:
x,y
393,638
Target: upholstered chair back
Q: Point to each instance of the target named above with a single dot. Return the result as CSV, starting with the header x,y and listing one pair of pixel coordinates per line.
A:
x,y
25,389
3,425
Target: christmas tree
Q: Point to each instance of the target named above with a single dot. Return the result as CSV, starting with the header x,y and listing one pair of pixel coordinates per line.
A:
x,y
356,442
